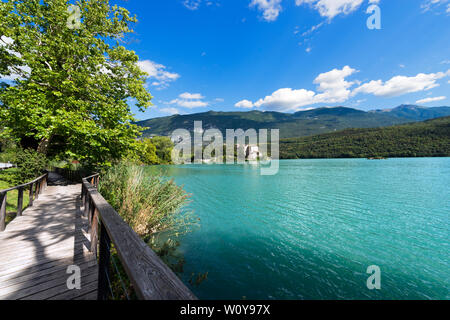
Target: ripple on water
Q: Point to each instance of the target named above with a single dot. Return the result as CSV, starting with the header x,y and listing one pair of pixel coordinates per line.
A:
x,y
311,231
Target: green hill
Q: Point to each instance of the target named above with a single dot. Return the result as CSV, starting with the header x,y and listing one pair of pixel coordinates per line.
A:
x,y
299,124
424,139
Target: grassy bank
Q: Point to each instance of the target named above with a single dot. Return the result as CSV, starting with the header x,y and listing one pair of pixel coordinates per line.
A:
x,y
7,180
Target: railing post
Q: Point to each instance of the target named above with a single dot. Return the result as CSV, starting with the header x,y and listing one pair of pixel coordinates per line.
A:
x,y
30,203
3,211
36,192
20,202
94,230
104,264
86,206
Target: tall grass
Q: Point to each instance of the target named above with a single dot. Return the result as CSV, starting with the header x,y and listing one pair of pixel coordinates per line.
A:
x,y
152,206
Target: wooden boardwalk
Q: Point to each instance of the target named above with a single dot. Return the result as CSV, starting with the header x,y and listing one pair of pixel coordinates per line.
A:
x,y
37,248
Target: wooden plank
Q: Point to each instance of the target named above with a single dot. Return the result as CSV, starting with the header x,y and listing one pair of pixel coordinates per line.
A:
x,y
22,255
87,292
58,253
45,272
48,289
15,272
58,276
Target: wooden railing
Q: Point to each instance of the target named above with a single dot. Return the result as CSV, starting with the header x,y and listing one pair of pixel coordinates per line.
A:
x,y
150,277
72,175
36,187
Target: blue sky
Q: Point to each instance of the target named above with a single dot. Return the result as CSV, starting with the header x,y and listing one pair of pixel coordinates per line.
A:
x,y
290,55
280,54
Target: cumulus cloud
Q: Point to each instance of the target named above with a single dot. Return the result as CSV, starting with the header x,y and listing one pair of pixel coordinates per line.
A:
x,y
400,85
332,8
170,111
158,74
247,104
190,100
332,87
427,100
270,8
286,99
191,96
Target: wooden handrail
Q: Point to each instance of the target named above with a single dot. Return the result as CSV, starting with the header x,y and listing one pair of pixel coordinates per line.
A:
x,y
150,277
41,184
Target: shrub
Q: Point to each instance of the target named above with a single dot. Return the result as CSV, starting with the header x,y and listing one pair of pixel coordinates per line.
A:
x,y
30,163
151,205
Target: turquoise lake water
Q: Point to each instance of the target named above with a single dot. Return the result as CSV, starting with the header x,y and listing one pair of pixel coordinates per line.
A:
x,y
311,231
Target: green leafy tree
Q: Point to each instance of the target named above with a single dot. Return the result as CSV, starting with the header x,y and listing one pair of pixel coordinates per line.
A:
x,y
30,163
73,78
164,148
148,152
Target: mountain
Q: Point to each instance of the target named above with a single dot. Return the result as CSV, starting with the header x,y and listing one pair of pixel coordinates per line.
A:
x,y
430,138
299,124
416,113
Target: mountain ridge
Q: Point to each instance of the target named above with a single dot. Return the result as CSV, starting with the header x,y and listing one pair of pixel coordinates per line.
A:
x,y
298,124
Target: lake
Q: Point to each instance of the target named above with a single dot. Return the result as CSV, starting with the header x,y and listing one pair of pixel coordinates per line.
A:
x,y
312,230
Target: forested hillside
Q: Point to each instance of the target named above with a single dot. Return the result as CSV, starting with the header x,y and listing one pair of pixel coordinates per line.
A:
x,y
292,125
424,139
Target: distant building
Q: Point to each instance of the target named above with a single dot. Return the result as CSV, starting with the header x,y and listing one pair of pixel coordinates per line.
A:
x,y
252,153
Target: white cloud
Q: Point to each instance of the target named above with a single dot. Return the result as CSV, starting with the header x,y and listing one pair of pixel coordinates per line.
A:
x,y
332,88
332,8
312,29
244,104
270,8
333,85
157,73
400,85
190,100
192,4
191,96
286,99
170,111
426,100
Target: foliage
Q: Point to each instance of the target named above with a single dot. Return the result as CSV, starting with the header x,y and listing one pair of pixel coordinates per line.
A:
x,y
72,85
8,179
151,205
30,164
164,148
425,139
147,152
152,151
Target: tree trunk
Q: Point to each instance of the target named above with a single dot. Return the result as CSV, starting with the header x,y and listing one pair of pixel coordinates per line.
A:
x,y
43,146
